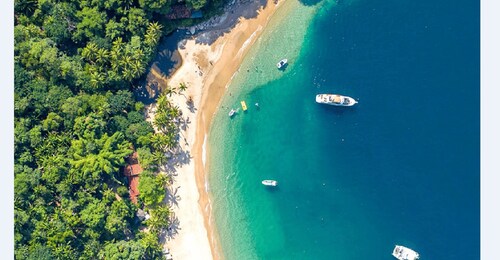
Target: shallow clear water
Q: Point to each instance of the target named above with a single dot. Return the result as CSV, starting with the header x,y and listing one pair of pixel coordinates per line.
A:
x,y
400,167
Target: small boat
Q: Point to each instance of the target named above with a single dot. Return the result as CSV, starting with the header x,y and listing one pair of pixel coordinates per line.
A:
x,y
244,105
335,100
270,182
282,63
232,112
404,253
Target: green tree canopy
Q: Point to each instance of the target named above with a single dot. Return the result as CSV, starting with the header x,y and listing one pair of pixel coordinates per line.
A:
x,y
75,64
129,250
151,190
158,6
94,214
93,158
159,218
91,24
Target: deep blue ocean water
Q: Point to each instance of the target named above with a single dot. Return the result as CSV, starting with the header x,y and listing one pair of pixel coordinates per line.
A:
x,y
400,167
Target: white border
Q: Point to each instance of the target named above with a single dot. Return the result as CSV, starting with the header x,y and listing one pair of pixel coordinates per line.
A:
x,y
7,129
490,154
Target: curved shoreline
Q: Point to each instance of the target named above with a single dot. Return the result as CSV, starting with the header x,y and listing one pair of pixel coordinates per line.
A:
x,y
245,34
207,70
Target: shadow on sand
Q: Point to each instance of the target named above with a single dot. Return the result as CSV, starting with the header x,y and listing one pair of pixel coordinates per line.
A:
x,y
172,230
242,9
167,59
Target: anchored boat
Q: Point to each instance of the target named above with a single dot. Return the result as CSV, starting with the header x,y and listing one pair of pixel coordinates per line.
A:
x,y
270,182
404,253
282,63
243,105
232,112
335,100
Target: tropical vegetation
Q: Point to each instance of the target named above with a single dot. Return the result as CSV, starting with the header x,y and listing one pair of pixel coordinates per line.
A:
x,y
76,120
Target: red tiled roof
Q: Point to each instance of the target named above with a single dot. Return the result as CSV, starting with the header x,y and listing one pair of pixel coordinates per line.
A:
x,y
133,183
132,171
178,12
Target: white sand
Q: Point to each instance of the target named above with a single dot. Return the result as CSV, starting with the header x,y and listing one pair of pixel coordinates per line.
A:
x,y
207,70
191,242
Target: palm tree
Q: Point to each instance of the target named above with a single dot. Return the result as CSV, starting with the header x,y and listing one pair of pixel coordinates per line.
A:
x,y
115,64
159,218
102,56
116,50
164,179
161,120
170,91
159,157
159,142
89,52
149,241
97,79
127,74
182,87
150,39
153,34
106,158
155,28
126,61
138,55
171,140
118,44
137,68
162,103
113,75
174,112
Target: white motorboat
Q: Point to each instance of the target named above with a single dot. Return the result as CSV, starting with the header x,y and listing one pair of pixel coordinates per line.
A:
x,y
282,63
270,182
232,112
335,100
404,253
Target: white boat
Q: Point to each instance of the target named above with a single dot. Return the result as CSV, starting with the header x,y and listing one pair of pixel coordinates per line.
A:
x,y
232,112
404,253
270,182
335,100
281,63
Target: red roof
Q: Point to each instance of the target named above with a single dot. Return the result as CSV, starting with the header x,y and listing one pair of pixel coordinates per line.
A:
x,y
133,184
132,171
178,12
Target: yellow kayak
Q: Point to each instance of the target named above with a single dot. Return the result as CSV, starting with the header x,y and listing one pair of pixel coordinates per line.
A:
x,y
244,105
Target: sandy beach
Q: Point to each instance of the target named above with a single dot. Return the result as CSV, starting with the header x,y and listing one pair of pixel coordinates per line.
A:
x,y
207,68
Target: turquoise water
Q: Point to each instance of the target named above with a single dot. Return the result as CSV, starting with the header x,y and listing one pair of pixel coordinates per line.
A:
x,y
400,167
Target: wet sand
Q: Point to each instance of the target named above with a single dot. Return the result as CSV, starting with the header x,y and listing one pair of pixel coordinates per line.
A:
x,y
207,70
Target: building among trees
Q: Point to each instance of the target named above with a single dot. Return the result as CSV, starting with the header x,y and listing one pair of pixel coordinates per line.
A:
x,y
132,171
